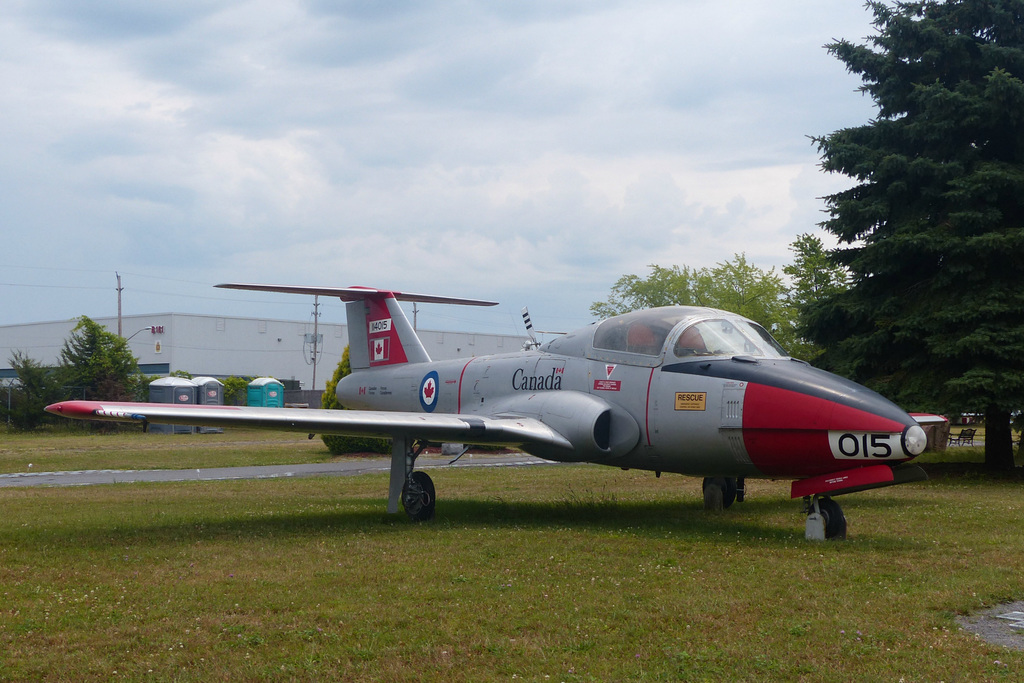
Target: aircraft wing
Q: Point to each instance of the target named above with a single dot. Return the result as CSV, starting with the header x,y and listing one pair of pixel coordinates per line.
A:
x,y
470,429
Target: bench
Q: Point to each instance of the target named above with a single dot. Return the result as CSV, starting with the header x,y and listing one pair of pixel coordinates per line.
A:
x,y
964,438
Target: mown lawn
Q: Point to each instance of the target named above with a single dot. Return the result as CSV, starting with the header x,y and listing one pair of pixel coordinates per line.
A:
x,y
83,450
575,573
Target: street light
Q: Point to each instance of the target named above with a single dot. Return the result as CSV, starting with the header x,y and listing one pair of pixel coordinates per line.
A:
x,y
151,328
10,386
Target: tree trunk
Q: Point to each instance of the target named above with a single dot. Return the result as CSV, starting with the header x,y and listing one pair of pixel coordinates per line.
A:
x,y
998,440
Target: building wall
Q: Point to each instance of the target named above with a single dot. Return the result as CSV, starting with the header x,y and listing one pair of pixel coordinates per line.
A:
x,y
221,346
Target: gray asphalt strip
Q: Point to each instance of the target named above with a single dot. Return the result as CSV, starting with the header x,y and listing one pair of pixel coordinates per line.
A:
x,y
338,468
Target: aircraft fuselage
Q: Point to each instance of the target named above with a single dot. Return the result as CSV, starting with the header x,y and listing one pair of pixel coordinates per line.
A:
x,y
677,389
736,416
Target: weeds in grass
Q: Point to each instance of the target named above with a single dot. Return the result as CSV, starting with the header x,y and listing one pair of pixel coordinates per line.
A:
x,y
587,502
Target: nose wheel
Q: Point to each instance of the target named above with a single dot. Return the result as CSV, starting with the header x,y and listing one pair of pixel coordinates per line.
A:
x,y
825,519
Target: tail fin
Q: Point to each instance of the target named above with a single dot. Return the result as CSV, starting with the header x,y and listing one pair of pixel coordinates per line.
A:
x,y
379,334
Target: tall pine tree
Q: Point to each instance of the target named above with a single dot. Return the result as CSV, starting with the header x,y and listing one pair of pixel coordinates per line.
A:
x,y
933,230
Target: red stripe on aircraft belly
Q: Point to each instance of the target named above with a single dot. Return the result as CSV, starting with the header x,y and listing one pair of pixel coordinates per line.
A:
x,y
786,432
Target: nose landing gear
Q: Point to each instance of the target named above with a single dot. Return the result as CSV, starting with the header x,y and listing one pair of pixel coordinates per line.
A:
x,y
825,519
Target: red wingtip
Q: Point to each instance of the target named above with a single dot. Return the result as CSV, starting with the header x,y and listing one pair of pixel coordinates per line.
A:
x,y
72,408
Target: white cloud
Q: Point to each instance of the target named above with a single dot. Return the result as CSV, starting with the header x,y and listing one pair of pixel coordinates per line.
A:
x,y
513,150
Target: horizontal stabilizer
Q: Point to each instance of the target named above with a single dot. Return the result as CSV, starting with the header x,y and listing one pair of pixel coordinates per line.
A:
x,y
356,293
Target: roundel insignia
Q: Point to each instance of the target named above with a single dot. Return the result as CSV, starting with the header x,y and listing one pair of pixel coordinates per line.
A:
x,y
428,392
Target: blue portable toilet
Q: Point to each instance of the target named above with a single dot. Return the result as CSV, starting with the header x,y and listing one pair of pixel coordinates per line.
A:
x,y
209,392
265,392
176,390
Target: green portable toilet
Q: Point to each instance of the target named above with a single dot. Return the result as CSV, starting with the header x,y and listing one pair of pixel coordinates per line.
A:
x,y
266,392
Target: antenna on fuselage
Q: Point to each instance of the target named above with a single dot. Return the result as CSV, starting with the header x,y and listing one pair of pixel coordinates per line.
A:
x,y
532,343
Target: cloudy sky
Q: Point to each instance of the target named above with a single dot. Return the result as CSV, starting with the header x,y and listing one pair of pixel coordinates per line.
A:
x,y
525,151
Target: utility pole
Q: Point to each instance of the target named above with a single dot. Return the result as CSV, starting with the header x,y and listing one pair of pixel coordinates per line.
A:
x,y
316,334
415,311
119,290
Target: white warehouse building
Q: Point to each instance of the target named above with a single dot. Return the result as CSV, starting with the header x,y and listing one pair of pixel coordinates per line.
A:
x,y
225,346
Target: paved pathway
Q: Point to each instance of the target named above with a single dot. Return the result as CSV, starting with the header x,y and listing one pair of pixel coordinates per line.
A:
x,y
336,468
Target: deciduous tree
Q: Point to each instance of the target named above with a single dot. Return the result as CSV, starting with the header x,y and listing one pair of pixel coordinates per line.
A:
x,y
736,285
815,278
663,287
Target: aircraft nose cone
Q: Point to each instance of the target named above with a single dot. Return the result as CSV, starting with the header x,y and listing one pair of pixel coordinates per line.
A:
x,y
914,440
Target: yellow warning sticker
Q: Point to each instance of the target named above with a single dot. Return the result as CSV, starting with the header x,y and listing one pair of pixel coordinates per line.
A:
x,y
691,400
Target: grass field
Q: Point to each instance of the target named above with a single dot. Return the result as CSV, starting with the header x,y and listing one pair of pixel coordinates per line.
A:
x,y
574,573
82,450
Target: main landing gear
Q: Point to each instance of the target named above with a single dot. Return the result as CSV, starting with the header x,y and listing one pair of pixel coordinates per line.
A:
x,y
414,489
825,519
418,497
721,492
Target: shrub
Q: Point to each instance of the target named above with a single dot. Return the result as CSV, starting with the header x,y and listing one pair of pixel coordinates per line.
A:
x,y
340,444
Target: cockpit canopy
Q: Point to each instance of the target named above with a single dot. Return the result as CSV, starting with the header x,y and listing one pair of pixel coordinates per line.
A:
x,y
681,332
719,337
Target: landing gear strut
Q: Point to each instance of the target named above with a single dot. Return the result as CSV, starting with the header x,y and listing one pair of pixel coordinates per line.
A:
x,y
414,489
825,519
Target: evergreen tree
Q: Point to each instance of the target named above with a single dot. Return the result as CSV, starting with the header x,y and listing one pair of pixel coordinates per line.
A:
x,y
933,230
339,444
37,387
98,364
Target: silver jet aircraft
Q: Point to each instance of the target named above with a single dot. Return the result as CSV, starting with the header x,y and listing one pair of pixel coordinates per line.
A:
x,y
693,391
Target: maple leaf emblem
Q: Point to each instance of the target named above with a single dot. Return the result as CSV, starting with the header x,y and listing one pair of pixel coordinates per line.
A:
x,y
428,390
379,349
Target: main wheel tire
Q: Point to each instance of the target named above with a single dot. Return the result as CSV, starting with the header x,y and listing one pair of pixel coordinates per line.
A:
x,y
418,497
835,520
726,492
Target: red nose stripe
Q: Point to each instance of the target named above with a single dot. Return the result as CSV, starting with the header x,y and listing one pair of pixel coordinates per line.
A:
x,y
786,432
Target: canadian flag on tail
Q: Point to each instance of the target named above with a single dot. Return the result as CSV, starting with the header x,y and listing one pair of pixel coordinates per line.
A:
x,y
379,350
382,330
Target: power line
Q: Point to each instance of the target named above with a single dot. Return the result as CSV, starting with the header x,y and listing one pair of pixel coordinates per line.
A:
x,y
19,284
